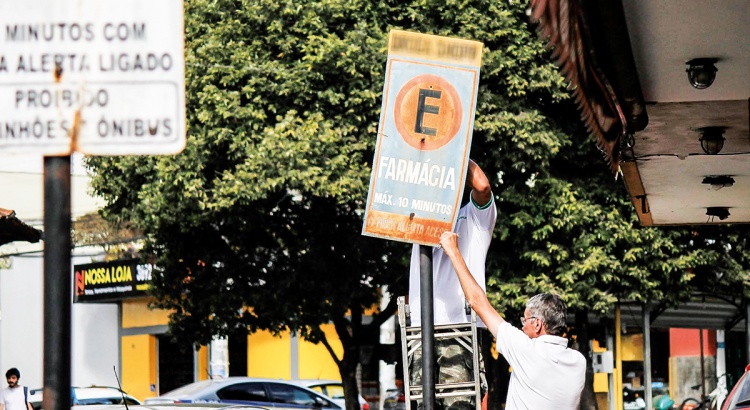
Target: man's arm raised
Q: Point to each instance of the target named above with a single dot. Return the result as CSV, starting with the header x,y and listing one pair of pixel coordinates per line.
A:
x,y
477,181
474,294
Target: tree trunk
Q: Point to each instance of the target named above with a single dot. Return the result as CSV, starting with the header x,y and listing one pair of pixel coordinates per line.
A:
x,y
352,333
349,335
348,372
349,379
588,399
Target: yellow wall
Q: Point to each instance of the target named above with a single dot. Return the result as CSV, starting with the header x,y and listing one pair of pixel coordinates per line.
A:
x,y
632,347
601,380
314,360
139,365
135,313
269,356
203,363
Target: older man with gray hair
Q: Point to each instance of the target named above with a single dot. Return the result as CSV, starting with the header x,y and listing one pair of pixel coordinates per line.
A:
x,y
547,374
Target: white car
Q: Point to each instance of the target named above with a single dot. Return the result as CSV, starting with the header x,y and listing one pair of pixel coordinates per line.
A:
x,y
267,393
331,388
83,396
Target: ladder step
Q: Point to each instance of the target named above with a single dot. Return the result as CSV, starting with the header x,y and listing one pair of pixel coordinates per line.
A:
x,y
462,334
441,395
440,336
441,327
447,386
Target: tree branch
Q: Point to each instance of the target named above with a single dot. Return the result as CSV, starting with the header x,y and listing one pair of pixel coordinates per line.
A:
x,y
328,347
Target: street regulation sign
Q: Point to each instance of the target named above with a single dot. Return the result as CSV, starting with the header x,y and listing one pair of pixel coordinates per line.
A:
x,y
103,77
424,137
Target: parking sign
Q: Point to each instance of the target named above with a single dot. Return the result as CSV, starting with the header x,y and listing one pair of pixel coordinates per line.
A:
x,y
424,137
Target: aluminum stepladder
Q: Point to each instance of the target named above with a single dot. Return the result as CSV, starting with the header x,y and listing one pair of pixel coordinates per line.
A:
x,y
411,339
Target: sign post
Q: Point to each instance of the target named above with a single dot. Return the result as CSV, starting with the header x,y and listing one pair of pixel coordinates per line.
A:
x,y
101,77
422,154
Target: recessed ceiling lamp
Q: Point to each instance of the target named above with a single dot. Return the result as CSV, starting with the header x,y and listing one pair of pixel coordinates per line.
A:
x,y
712,139
626,148
718,181
721,212
701,72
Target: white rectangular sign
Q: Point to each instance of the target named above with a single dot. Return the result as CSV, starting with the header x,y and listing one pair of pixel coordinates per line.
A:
x,y
102,77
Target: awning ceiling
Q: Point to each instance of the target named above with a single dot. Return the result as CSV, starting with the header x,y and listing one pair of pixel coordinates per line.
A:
x,y
626,64
12,229
701,312
705,312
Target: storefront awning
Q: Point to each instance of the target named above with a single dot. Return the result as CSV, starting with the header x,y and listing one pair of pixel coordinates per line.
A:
x,y
12,229
702,311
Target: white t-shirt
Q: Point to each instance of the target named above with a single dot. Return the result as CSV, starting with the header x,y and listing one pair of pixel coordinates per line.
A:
x,y
474,227
546,374
13,399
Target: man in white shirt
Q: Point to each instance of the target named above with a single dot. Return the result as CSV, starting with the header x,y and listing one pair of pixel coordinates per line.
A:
x,y
474,225
547,374
15,396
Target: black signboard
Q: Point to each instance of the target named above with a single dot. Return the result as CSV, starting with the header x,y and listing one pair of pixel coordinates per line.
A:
x,y
111,281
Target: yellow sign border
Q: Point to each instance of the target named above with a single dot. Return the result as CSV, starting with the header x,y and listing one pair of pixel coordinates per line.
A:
x,y
436,48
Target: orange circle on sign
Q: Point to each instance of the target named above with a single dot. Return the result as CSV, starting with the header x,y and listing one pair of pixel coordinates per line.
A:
x,y
427,112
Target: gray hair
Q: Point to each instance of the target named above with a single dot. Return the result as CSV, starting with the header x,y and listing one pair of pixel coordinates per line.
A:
x,y
551,309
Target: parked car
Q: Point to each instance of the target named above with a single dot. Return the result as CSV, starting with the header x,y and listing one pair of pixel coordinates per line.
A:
x,y
177,406
269,393
739,396
334,389
84,396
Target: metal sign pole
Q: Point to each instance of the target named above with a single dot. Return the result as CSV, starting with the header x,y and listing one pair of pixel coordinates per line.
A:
x,y
648,393
57,283
428,328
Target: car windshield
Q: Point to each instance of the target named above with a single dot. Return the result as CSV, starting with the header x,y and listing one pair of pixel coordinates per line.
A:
x,y
335,391
105,400
742,395
191,388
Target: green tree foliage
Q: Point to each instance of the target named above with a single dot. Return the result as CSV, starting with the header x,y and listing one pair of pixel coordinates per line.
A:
x,y
256,225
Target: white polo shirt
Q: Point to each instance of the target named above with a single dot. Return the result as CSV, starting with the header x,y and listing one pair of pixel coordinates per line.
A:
x,y
546,374
474,227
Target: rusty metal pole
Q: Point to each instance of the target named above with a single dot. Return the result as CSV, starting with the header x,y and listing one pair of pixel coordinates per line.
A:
x,y
428,327
703,365
57,283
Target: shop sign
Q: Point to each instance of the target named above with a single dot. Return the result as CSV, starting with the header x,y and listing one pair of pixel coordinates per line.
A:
x,y
111,281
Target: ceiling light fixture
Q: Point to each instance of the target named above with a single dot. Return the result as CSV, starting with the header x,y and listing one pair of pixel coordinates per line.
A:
x,y
701,72
719,181
626,148
712,139
629,140
721,212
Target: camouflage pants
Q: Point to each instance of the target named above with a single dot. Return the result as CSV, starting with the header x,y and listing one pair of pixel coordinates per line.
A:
x,y
453,364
